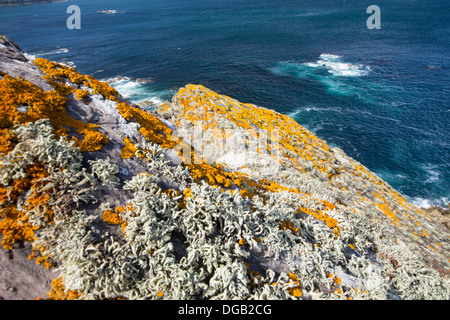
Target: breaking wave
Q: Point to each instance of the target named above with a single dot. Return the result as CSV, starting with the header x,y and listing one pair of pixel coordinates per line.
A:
x,y
330,70
334,65
52,52
139,91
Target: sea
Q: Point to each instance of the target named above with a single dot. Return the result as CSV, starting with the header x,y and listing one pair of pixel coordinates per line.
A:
x,y
381,95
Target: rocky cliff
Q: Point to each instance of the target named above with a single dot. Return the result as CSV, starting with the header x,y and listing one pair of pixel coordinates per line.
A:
x,y
204,198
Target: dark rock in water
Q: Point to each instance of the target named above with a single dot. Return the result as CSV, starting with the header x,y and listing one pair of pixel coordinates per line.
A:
x,y
144,80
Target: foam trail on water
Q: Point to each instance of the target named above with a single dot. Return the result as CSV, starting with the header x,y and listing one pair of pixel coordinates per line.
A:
x,y
53,52
335,65
338,76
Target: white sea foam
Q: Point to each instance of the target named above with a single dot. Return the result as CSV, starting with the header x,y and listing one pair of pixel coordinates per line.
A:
x,y
126,87
138,91
299,110
428,203
69,64
331,70
30,57
335,65
53,52
108,11
295,113
433,175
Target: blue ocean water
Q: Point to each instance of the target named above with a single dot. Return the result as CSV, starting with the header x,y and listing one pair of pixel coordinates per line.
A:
x,y
380,95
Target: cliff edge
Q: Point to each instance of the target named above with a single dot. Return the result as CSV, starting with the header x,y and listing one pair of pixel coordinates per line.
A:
x,y
205,198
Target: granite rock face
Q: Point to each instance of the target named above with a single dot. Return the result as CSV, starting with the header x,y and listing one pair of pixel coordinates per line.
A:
x,y
204,198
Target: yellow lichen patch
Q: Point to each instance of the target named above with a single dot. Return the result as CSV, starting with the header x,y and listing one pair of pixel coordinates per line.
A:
x,y
112,217
129,150
59,292
81,94
14,223
152,129
321,216
41,258
92,141
201,105
6,141
385,207
336,279
22,102
125,110
211,174
296,290
56,73
14,227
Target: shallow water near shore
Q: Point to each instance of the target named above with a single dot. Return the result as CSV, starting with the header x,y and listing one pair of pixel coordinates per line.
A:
x,y
380,95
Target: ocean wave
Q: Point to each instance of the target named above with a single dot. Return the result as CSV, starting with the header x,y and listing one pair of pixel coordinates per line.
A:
x,y
433,175
334,65
69,64
52,53
428,203
297,111
139,90
109,11
29,56
332,71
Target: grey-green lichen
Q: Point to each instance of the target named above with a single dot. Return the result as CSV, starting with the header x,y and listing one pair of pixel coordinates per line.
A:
x,y
207,247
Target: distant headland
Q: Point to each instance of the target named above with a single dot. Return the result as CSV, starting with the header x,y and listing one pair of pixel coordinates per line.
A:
x,y
4,3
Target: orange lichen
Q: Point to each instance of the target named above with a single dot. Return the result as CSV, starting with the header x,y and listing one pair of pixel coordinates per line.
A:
x,y
296,290
112,217
59,292
14,223
321,216
14,227
7,141
81,94
152,129
57,73
41,258
129,150
37,104
93,140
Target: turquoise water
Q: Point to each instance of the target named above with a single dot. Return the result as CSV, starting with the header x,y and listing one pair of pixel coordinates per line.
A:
x,y
380,95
